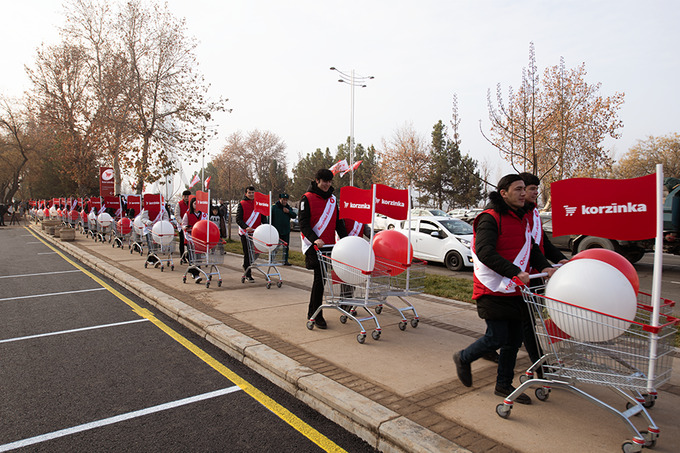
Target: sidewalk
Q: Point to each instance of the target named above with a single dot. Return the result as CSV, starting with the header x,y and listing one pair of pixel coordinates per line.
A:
x,y
399,393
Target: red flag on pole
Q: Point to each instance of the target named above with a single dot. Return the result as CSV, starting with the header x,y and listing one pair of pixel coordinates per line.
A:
x,y
391,202
207,183
203,203
262,203
623,209
194,181
152,205
356,204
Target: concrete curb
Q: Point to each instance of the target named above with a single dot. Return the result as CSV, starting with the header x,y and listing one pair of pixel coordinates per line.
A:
x,y
381,427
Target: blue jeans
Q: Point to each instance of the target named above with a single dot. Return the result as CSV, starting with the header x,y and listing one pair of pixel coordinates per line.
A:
x,y
503,334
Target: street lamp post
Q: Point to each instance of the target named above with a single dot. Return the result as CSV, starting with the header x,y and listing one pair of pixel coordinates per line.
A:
x,y
353,80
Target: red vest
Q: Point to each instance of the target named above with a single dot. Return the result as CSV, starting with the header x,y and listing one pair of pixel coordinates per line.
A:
x,y
248,208
316,208
511,239
183,208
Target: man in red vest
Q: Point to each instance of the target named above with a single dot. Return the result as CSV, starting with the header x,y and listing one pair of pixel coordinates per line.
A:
x,y
319,221
502,249
247,219
180,209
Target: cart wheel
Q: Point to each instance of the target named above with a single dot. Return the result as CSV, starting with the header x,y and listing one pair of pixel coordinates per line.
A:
x,y
402,325
162,267
378,309
649,443
113,246
279,283
376,334
503,411
243,279
145,265
353,312
414,322
172,267
269,285
542,393
361,338
343,319
130,250
219,283
630,447
207,284
184,279
310,325
523,378
649,401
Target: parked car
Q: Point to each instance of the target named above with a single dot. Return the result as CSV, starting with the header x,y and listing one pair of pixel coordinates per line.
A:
x,y
470,215
382,222
440,239
457,213
294,223
425,212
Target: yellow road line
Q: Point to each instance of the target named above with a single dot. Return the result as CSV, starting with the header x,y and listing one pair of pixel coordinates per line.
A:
x,y
283,413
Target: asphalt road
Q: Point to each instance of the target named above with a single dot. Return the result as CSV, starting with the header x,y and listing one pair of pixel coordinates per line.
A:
x,y
87,366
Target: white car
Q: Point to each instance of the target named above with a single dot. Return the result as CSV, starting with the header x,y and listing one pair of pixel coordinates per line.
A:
x,y
441,239
427,212
382,222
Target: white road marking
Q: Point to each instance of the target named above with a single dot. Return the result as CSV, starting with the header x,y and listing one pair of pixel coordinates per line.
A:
x,y
47,253
34,242
116,419
81,329
41,273
53,294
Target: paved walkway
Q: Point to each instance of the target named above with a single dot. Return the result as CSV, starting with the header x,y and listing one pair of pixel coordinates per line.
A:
x,y
399,393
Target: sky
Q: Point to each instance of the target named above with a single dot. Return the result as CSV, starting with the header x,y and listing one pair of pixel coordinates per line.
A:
x,y
271,59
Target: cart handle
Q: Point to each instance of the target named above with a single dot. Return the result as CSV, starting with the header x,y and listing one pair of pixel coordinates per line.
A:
x,y
519,282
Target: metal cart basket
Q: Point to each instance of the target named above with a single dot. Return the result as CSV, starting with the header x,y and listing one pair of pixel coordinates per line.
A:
x,y
270,259
401,281
204,258
630,356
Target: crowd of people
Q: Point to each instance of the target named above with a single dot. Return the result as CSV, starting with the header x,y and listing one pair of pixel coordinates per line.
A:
x,y
508,243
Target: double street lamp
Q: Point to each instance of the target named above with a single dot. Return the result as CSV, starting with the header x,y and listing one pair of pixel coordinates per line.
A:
x,y
353,80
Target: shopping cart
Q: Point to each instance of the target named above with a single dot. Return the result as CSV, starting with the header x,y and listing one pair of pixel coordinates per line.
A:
x,y
137,240
160,253
358,290
122,232
402,281
268,258
104,231
91,227
635,358
204,258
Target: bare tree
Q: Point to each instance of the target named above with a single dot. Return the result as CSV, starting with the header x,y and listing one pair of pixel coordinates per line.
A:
x,y
403,158
14,148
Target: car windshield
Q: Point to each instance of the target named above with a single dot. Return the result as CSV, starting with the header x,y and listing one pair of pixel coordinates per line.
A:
x,y
438,212
455,226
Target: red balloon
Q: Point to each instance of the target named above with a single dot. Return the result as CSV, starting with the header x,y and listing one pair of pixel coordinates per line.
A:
x,y
47,213
201,234
74,215
124,226
392,246
613,259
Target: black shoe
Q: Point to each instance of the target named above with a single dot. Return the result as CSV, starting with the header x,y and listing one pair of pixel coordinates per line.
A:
x,y
250,279
491,356
287,264
464,370
198,279
320,323
505,391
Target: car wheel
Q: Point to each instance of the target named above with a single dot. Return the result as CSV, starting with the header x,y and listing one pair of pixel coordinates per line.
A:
x,y
390,227
594,242
634,255
453,261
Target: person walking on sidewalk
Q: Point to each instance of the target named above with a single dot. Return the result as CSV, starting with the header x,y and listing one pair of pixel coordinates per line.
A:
x,y
502,249
319,221
247,220
190,219
181,208
281,217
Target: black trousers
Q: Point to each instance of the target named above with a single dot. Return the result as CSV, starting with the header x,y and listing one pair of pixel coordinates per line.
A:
x,y
285,238
246,255
181,243
316,295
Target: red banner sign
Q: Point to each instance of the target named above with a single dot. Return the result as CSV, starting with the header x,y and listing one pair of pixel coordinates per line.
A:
x,y
113,203
152,205
134,202
262,203
96,203
623,209
203,203
391,202
107,184
356,204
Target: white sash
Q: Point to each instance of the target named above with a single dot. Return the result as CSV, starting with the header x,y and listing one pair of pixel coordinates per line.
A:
x,y
250,222
322,224
357,229
537,230
496,282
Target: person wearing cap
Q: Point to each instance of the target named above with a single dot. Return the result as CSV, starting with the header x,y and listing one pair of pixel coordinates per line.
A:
x,y
181,208
281,217
502,248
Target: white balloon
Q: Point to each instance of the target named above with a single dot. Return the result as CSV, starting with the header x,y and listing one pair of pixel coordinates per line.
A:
x,y
41,213
351,255
163,232
104,219
138,224
92,217
265,238
53,211
593,285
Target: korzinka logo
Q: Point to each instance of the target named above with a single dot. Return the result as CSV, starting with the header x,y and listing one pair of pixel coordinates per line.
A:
x,y
613,208
391,202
